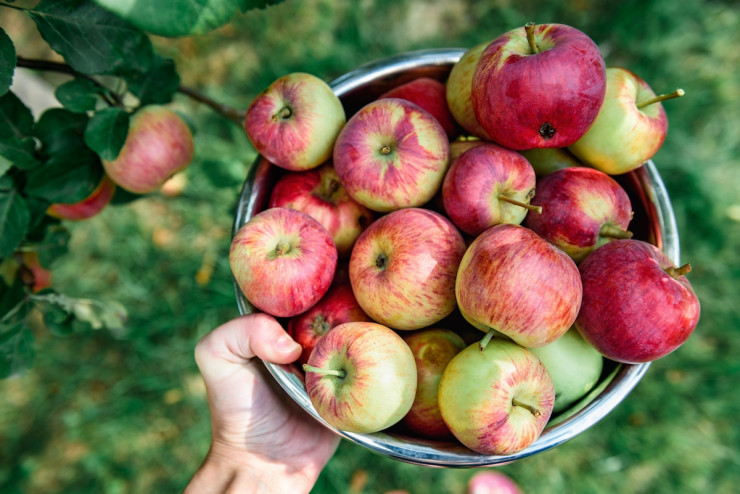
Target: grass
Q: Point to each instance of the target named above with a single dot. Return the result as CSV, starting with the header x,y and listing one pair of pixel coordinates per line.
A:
x,y
125,412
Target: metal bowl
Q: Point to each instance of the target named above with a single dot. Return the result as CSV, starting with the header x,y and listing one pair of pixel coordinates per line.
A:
x,y
653,221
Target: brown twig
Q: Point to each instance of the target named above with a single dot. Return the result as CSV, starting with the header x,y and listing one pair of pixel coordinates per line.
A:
x,y
233,114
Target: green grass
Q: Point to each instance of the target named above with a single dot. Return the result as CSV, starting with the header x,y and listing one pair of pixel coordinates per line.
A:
x,y
125,412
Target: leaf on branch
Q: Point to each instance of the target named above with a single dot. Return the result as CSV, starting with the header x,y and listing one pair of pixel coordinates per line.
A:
x,y
7,62
16,342
92,40
66,177
18,152
60,130
78,95
257,4
14,220
156,86
176,17
106,132
16,120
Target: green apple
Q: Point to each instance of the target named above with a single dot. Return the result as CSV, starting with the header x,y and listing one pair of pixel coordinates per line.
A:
x,y
574,365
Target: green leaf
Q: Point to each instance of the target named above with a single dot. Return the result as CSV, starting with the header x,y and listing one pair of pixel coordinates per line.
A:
x,y
18,152
91,39
256,4
78,95
106,132
7,62
66,177
156,86
16,342
60,130
176,17
12,291
16,120
14,220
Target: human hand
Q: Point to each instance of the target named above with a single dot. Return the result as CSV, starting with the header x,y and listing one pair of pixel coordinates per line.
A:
x,y
261,440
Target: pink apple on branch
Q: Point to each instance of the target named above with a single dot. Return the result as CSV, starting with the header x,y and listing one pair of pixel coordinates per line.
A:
x,y
403,266
538,86
295,121
89,206
320,194
361,377
283,261
512,281
391,154
637,305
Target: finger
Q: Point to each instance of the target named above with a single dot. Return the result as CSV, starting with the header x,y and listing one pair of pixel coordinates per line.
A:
x,y
241,339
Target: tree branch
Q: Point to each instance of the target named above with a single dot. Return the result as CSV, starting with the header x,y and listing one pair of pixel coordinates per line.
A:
x,y
233,114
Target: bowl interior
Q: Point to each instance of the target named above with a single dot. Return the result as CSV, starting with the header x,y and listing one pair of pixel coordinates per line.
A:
x,y
653,221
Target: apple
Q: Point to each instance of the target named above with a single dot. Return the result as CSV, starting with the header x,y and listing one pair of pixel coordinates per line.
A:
x,y
88,207
490,482
574,365
403,267
320,194
629,128
538,86
336,307
391,154
547,160
488,185
431,95
496,401
459,91
361,377
295,121
433,348
283,261
583,208
158,145
514,282
459,146
32,273
637,305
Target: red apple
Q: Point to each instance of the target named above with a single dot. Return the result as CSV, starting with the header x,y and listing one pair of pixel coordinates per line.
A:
x,y
514,282
630,127
430,94
336,307
487,185
158,145
459,91
496,401
403,268
637,305
538,86
583,208
490,482
89,206
283,261
295,121
391,154
433,348
33,274
361,377
320,194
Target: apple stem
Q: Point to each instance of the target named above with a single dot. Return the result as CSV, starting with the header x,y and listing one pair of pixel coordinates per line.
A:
x,y
675,272
675,94
486,339
529,29
529,408
284,113
282,247
327,372
525,205
611,231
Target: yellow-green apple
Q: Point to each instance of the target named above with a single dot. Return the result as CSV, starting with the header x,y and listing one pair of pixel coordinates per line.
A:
x,y
429,94
433,348
336,307
637,305
459,146
496,401
630,127
361,377
403,267
514,282
391,154
538,86
319,193
583,208
89,206
459,87
574,365
158,145
488,185
492,482
547,160
295,121
283,261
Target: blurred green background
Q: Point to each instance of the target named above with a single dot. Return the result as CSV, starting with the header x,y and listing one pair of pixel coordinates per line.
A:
x,y
125,412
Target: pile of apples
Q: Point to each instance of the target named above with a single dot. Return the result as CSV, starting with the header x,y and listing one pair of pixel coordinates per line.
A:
x,y
455,257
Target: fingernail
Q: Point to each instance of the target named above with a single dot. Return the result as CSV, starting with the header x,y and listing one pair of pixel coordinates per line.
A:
x,y
286,344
